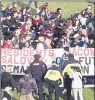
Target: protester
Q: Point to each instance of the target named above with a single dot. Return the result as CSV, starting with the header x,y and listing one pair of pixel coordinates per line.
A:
x,y
68,71
48,24
76,77
54,78
7,84
27,85
38,70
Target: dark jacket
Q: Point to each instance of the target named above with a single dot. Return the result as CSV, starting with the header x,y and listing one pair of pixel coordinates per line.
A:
x,y
38,69
8,12
7,23
71,61
63,60
7,80
67,66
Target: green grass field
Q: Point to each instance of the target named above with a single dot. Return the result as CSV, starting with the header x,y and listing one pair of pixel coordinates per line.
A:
x,y
68,8
88,94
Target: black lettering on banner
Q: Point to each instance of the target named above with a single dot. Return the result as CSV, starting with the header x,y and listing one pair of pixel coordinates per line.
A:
x,y
87,60
22,69
81,59
16,69
85,69
58,61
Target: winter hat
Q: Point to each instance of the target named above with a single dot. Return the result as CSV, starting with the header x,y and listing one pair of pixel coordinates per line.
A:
x,y
66,48
80,43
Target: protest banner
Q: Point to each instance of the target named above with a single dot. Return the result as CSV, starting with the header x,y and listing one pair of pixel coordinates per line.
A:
x,y
19,60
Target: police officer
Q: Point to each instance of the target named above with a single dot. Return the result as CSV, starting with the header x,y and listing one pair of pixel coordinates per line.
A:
x,y
68,71
64,56
54,77
38,70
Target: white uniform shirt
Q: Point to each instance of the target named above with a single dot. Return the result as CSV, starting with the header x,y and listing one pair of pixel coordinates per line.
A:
x,y
76,82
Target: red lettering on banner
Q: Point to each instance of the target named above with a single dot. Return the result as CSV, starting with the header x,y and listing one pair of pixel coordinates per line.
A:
x,y
79,52
92,52
25,53
3,51
30,59
16,52
32,52
39,52
51,52
21,51
3,59
15,60
9,60
22,60
82,51
9,52
74,52
86,52
44,52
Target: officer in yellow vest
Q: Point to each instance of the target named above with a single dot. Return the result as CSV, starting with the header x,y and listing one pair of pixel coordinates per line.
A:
x,y
68,71
54,78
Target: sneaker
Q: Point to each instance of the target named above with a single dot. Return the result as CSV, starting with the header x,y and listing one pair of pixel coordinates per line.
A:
x,y
64,91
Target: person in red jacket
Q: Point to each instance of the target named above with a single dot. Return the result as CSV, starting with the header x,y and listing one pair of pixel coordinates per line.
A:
x,y
37,20
7,44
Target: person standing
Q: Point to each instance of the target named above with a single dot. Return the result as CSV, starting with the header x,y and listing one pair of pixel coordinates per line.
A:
x,y
53,76
64,58
27,85
76,77
67,72
36,4
7,84
38,70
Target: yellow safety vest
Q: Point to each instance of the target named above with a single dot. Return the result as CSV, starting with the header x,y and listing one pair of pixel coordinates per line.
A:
x,y
69,70
53,75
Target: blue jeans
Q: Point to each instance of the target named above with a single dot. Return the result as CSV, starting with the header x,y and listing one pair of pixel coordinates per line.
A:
x,y
36,3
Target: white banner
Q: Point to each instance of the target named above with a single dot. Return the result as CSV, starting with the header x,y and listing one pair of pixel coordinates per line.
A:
x,y
19,60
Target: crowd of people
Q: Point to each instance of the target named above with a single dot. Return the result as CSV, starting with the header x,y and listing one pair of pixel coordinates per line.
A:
x,y
45,29
69,77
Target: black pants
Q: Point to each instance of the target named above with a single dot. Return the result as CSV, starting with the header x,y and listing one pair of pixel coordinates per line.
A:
x,y
68,86
40,88
6,95
53,85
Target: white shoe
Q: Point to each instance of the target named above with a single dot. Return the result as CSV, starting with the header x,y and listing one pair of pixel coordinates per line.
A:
x,y
64,91
4,98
